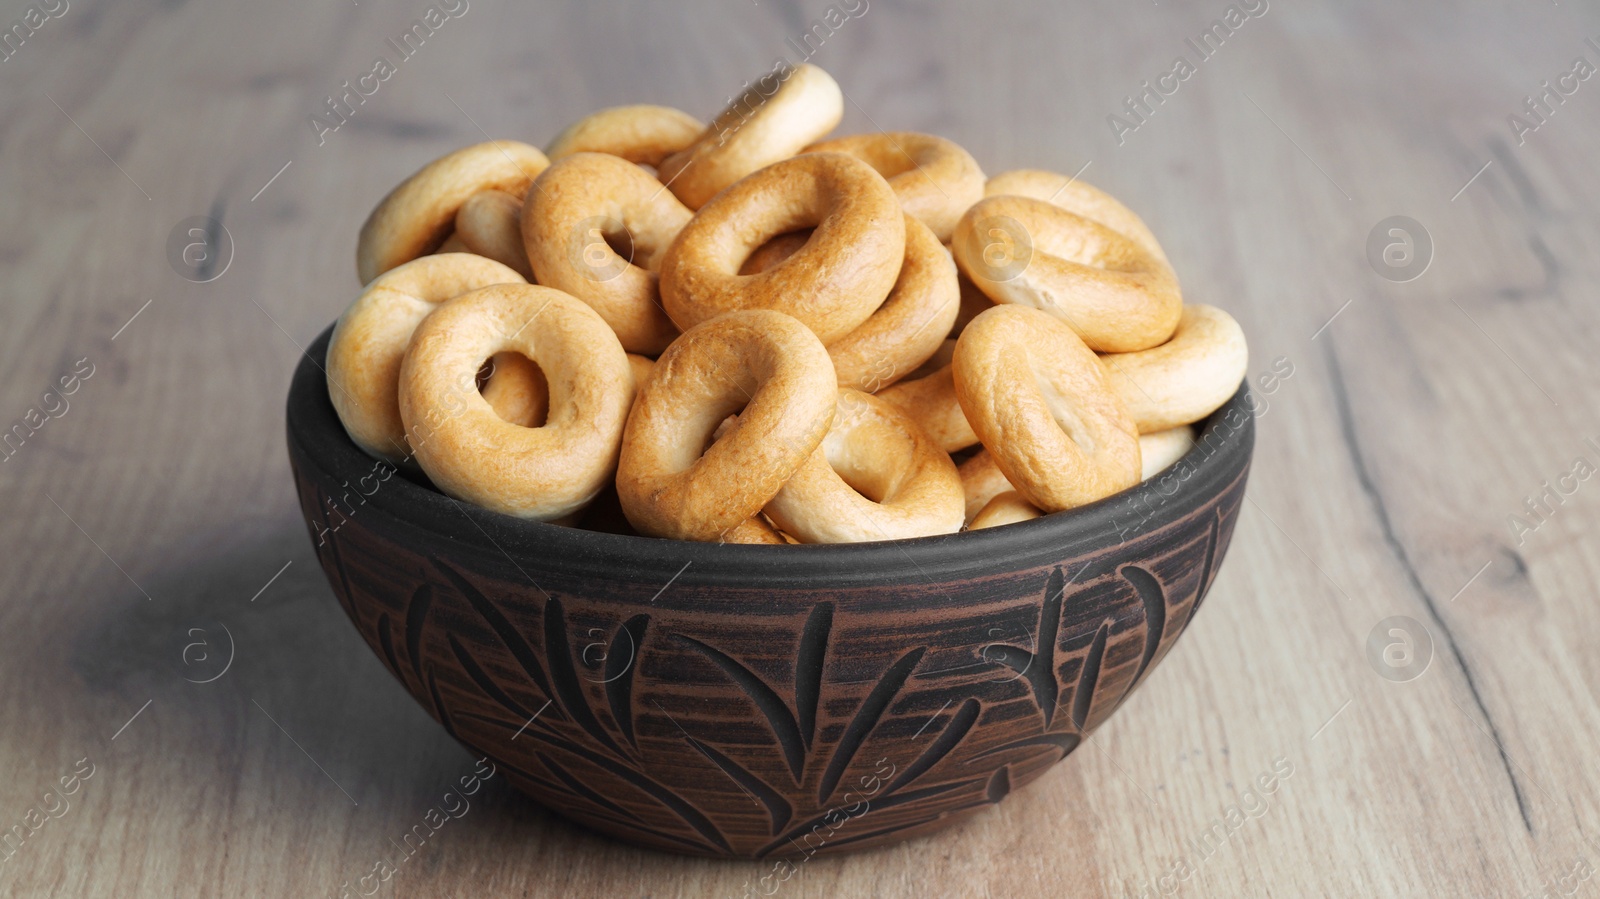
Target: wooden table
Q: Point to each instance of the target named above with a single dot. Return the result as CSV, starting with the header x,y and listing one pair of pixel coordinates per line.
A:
x,y
1415,670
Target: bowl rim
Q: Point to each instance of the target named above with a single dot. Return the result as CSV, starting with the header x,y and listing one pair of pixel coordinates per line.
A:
x,y
322,451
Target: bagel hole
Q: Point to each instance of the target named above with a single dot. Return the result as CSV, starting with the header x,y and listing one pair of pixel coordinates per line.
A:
x,y
621,242
722,428
962,455
868,489
871,468
726,419
775,251
520,394
1089,243
894,163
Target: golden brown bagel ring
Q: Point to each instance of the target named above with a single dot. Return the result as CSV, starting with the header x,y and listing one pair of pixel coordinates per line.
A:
x,y
1079,198
773,120
876,476
910,325
452,244
981,481
371,336
756,529
674,479
489,223
931,402
1186,378
643,134
417,215
577,204
473,454
912,322
1159,449
841,275
1006,508
1039,400
1117,295
935,179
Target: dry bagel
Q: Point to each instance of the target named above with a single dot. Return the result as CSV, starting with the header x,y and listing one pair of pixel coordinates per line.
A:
x,y
981,481
834,319
931,402
370,340
1078,197
831,284
1038,399
876,476
472,453
1006,508
581,203
675,479
1116,294
772,120
907,329
489,223
641,134
1188,377
1158,450
935,179
416,217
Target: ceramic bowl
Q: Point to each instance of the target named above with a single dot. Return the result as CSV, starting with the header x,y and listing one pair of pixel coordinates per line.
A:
x,y
764,701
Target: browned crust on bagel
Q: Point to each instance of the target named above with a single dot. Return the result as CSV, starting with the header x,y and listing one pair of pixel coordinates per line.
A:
x,y
831,284
675,479
420,212
641,133
934,177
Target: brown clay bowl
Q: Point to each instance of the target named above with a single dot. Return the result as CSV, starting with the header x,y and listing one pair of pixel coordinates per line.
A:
x,y
764,701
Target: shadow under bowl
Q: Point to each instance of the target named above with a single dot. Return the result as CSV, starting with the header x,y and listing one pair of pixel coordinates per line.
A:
x,y
764,701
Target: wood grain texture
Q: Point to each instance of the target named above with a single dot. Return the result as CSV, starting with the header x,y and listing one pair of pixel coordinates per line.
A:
x,y
1414,424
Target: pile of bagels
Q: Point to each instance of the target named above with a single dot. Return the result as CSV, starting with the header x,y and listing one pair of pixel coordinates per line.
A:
x,y
743,333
